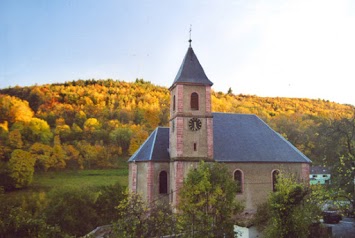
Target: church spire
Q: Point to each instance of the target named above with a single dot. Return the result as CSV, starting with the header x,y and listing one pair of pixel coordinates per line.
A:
x,y
191,71
190,36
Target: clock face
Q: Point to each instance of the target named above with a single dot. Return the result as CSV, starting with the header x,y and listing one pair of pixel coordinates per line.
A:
x,y
195,124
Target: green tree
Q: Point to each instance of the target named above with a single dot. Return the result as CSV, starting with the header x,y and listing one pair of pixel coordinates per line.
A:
x,y
74,160
207,202
73,210
121,137
89,153
39,131
21,168
138,220
340,140
58,155
291,209
132,214
15,139
108,199
230,91
43,155
20,218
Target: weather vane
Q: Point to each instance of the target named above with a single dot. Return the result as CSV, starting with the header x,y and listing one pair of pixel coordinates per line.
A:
x,y
190,35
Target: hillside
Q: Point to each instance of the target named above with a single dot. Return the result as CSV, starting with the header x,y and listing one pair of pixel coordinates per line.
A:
x,y
95,123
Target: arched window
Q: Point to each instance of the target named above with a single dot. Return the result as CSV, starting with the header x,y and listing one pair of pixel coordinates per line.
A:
x,y
275,175
194,101
238,178
174,103
163,182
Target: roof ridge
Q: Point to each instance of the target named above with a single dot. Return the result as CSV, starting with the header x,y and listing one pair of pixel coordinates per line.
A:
x,y
232,113
153,144
141,146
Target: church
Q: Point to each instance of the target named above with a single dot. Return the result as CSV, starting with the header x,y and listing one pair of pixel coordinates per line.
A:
x,y
253,152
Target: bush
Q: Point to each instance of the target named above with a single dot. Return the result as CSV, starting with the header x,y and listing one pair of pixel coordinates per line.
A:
x,y
22,218
108,199
74,211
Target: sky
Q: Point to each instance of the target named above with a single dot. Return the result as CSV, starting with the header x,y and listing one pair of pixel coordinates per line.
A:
x,y
275,48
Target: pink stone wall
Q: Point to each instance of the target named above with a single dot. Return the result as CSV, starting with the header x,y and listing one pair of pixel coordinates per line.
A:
x,y
179,179
180,97
179,136
305,172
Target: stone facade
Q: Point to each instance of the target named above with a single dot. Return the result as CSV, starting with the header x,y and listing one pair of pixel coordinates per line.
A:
x,y
157,170
143,178
184,143
258,180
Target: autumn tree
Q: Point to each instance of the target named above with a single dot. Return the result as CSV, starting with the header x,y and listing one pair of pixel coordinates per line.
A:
x,y
13,109
39,131
42,154
92,110
15,139
91,127
207,202
74,160
58,155
139,135
20,169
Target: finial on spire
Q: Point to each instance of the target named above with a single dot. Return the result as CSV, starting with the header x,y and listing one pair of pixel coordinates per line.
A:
x,y
190,35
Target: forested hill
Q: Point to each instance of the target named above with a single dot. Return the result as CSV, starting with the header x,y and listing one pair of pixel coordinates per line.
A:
x,y
92,123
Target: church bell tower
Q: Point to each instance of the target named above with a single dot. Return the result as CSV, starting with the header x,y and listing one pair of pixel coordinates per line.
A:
x,y
191,120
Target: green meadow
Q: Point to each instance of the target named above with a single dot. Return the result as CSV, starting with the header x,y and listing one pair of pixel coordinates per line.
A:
x,y
45,182
79,179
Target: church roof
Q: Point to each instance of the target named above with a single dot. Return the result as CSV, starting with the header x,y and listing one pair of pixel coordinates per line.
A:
x,y
247,138
155,148
236,138
191,71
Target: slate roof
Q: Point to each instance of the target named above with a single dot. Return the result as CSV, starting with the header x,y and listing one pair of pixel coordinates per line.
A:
x,y
191,71
155,148
236,138
319,170
247,138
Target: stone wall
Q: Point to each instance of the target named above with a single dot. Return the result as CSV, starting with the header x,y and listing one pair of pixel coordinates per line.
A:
x,y
144,179
257,179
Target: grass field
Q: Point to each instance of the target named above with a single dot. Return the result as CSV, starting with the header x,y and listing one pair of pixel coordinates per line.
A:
x,y
80,178
45,182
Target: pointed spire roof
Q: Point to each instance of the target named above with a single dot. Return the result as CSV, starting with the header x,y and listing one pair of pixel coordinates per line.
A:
x,y
191,71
